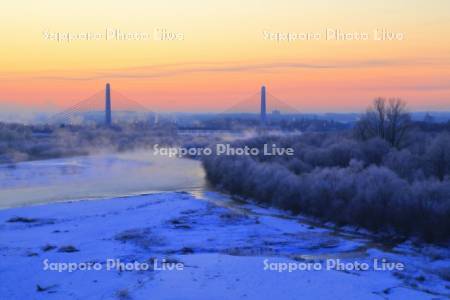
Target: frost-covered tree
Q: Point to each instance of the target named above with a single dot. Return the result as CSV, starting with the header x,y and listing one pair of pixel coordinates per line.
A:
x,y
438,156
386,119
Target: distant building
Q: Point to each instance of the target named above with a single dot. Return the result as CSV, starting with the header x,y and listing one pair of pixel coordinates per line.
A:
x,y
276,113
428,118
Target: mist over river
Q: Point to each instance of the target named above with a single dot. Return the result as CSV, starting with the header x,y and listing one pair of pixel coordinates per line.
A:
x,y
96,176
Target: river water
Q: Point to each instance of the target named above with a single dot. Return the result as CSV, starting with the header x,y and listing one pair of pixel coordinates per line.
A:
x,y
96,176
242,229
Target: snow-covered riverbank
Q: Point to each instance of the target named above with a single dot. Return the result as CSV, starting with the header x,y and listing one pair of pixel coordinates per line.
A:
x,y
224,248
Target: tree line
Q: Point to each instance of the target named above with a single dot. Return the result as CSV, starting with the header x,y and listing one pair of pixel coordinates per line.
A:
x,y
386,175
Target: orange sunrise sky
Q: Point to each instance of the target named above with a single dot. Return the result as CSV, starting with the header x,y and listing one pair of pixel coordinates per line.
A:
x,y
215,53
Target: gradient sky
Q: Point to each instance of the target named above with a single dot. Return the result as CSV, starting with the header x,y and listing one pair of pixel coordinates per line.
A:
x,y
224,57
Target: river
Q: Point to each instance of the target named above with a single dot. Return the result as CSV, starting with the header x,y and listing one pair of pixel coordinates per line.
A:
x,y
97,176
218,238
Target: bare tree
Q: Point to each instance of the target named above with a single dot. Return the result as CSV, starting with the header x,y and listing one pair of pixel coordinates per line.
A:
x,y
379,116
398,121
388,120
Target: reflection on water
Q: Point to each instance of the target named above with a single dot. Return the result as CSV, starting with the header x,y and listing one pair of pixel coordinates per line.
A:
x,y
96,176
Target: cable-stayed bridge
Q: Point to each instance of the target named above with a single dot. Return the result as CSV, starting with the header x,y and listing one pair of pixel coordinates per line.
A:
x,y
102,107
108,105
252,105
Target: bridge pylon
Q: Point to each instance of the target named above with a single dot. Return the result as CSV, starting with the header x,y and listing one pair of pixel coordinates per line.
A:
x,y
108,116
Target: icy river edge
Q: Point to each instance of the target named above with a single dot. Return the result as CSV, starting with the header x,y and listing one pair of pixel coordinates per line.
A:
x,y
225,249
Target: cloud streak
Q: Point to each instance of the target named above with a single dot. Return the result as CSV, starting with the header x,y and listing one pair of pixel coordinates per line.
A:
x,y
171,70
